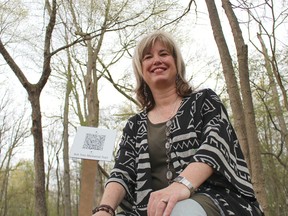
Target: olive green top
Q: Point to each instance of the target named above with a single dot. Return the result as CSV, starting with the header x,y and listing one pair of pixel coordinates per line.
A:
x,y
157,152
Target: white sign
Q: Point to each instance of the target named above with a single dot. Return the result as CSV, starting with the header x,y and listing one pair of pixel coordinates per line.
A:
x,y
93,143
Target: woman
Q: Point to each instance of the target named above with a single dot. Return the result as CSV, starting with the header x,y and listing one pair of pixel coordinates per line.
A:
x,y
179,155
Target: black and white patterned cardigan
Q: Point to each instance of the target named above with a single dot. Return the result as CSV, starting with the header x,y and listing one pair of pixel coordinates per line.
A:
x,y
201,132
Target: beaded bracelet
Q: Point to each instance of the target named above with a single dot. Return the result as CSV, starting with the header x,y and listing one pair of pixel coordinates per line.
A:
x,y
106,208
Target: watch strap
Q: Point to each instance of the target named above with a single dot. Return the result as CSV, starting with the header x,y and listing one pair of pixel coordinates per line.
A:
x,y
186,182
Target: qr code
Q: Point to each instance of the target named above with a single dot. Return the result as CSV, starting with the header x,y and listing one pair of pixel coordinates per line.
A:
x,y
94,141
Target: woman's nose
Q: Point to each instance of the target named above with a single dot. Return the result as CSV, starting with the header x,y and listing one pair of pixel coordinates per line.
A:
x,y
157,59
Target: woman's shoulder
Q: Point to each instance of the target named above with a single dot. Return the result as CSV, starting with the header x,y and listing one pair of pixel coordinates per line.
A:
x,y
208,91
200,98
202,93
136,119
142,115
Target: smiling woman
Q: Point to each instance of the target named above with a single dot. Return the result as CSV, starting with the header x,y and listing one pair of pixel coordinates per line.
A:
x,y
158,52
159,69
180,155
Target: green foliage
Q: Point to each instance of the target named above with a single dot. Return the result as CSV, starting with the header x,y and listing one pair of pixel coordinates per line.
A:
x,y
273,147
20,197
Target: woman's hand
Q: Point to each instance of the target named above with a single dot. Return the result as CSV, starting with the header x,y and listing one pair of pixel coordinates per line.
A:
x,y
162,202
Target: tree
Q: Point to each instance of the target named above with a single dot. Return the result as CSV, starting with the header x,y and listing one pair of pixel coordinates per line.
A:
x,y
34,91
67,194
245,127
99,22
266,24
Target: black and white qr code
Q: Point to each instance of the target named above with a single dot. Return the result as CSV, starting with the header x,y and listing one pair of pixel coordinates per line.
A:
x,y
94,142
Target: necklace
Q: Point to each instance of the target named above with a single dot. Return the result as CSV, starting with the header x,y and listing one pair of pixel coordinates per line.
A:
x,y
168,143
172,112
168,146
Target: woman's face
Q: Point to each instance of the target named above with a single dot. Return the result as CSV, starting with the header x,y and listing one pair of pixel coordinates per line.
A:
x,y
158,67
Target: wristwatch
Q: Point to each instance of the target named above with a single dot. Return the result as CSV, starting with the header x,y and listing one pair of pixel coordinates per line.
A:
x,y
184,181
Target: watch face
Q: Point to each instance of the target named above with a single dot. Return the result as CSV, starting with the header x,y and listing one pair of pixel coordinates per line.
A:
x,y
184,181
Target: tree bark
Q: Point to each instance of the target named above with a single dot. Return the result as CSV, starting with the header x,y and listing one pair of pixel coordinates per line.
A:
x,y
40,195
256,167
243,112
89,176
89,167
67,191
230,78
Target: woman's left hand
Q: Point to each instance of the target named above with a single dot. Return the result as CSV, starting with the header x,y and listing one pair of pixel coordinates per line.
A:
x,y
162,202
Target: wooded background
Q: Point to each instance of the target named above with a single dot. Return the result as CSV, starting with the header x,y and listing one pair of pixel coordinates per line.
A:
x,y
66,63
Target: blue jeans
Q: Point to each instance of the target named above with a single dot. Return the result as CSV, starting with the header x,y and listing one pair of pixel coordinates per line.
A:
x,y
188,207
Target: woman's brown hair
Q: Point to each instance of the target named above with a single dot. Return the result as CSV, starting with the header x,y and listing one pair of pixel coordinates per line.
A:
x,y
143,92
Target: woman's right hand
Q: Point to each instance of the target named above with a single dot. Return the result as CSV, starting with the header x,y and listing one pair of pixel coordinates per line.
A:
x,y
162,202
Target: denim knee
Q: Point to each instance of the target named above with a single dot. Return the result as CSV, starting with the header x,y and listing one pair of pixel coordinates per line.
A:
x,y
188,207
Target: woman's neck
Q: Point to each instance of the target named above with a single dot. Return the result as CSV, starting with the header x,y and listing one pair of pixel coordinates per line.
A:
x,y
166,106
165,98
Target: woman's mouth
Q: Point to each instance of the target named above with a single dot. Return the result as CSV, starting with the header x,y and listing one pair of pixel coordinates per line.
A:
x,y
158,70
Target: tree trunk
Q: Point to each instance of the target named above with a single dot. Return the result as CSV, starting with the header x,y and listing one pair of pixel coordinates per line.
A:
x,y
89,176
67,192
59,185
256,167
242,112
40,198
230,78
89,167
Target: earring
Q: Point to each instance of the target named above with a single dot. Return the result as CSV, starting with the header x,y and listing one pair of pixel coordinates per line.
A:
x,y
145,92
177,80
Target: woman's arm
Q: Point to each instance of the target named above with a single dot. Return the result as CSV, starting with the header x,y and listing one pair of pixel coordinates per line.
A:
x,y
112,196
197,173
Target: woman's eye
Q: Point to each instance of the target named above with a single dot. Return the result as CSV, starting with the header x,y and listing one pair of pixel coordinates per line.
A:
x,y
147,57
164,54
